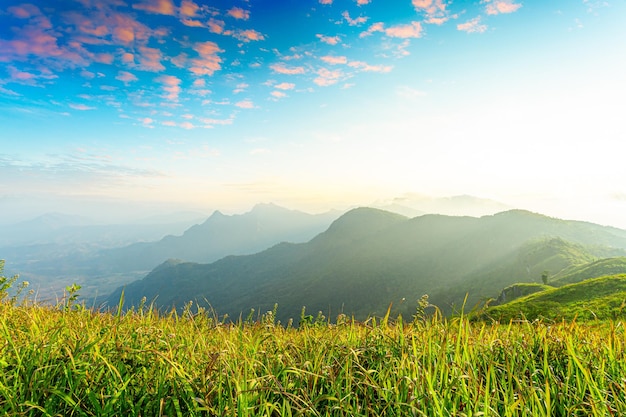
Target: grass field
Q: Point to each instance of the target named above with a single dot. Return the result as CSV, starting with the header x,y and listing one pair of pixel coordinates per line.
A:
x,y
71,361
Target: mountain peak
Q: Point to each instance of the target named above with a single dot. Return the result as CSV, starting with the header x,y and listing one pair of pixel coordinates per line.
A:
x,y
362,221
268,208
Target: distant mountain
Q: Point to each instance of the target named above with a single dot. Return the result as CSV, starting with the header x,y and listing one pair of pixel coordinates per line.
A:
x,y
39,229
221,235
68,230
369,258
98,270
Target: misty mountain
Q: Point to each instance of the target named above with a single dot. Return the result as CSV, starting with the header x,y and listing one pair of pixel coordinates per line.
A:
x,y
221,235
68,230
369,258
53,266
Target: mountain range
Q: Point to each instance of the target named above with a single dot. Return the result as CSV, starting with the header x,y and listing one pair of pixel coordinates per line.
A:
x,y
66,249
370,258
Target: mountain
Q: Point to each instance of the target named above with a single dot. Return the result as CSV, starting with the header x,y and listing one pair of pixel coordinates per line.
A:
x,y
369,258
69,230
101,270
597,298
221,235
597,268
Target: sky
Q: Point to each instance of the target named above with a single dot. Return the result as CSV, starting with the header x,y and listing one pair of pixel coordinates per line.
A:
x,y
112,107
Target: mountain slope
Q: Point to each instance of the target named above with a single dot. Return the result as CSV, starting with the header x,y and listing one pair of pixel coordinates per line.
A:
x,y
51,268
608,266
601,298
221,235
369,258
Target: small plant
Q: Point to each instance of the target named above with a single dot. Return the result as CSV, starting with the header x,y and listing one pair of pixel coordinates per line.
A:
x,y
71,298
5,283
420,316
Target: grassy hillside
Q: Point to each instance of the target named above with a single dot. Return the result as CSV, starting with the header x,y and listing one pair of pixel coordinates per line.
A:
x,y
598,298
370,258
598,268
515,291
75,362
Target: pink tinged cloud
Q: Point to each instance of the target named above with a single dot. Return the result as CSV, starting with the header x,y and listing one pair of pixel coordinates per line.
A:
x,y
17,75
245,104
412,30
327,77
472,26
435,10
81,107
126,77
334,60
239,13
285,86
430,6
24,11
127,58
124,34
278,94
179,60
126,30
208,61
283,69
354,22
165,7
502,6
362,2
216,26
188,8
326,1
248,35
147,121
171,86
192,23
150,59
375,27
104,58
364,66
330,40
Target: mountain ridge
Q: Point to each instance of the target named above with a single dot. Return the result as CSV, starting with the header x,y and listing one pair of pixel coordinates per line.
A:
x,y
362,274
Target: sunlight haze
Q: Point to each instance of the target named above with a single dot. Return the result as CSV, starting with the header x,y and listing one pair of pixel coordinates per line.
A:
x,y
114,108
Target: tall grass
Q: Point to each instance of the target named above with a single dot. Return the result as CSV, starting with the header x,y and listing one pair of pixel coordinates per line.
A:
x,y
77,362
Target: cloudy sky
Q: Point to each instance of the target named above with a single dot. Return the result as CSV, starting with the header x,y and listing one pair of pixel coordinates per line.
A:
x,y
311,104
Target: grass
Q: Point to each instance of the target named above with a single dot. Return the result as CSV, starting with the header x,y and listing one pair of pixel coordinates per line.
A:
x,y
68,360
597,298
76,362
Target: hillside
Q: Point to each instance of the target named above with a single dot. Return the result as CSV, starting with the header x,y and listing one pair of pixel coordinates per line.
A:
x,y
601,298
597,268
221,235
369,258
50,268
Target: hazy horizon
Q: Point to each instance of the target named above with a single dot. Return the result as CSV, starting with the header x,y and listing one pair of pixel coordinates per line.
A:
x,y
119,110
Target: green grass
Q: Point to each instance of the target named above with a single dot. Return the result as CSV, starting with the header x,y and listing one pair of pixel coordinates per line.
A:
x,y
67,360
598,298
76,362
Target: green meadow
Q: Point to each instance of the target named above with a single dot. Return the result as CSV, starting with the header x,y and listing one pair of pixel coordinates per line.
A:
x,y
69,360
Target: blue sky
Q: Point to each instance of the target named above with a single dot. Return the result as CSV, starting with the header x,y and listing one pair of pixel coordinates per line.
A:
x,y
112,105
